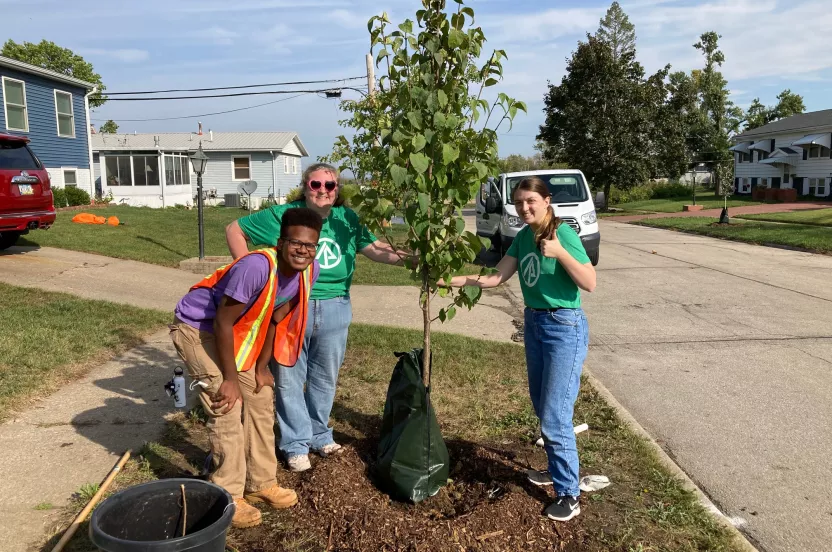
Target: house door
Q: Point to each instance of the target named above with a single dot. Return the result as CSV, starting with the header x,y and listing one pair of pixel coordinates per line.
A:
x,y
775,182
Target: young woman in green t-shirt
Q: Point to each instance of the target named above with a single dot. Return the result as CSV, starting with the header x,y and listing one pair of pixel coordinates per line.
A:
x,y
553,269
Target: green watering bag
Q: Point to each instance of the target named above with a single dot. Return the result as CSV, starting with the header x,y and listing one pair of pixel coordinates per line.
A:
x,y
412,456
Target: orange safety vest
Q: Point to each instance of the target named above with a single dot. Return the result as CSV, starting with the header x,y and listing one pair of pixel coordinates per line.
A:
x,y
248,337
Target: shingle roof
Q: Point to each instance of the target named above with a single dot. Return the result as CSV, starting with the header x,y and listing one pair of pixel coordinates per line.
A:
x,y
189,141
35,70
804,121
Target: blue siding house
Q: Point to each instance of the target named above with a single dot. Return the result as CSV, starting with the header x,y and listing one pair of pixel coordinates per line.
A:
x,y
52,109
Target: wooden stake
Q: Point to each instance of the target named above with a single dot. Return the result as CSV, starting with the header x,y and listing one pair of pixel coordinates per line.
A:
x,y
76,523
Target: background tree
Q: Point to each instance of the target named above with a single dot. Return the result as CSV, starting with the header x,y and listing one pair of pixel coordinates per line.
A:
x,y
430,138
110,127
788,104
49,55
517,163
713,92
617,31
604,117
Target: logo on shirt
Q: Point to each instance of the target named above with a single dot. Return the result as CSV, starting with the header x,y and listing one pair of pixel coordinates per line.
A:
x,y
530,269
329,253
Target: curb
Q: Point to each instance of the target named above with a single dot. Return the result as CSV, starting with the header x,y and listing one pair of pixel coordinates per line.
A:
x,y
740,539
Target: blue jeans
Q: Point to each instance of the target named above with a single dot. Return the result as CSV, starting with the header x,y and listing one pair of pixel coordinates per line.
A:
x,y
556,347
305,392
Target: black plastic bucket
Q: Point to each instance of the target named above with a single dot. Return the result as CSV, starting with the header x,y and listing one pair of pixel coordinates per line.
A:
x,y
149,518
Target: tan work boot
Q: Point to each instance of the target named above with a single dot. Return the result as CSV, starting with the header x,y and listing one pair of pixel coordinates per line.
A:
x,y
275,496
245,515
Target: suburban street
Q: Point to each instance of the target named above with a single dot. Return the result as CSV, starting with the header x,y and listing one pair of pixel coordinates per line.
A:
x,y
722,351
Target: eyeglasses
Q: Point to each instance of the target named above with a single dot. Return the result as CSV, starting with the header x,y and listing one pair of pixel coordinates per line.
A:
x,y
302,245
329,185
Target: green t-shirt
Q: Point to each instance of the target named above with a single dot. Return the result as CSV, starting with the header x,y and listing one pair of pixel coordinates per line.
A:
x,y
545,283
341,238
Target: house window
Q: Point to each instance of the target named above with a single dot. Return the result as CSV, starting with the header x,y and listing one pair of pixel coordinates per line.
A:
x,y
14,104
146,170
70,179
764,183
285,164
294,165
745,185
177,170
762,155
119,170
786,175
66,119
242,168
817,186
745,157
817,151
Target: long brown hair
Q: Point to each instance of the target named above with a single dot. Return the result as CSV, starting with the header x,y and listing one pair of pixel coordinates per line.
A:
x,y
550,221
321,167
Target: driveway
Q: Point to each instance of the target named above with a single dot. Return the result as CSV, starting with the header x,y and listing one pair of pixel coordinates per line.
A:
x,y
722,351
759,209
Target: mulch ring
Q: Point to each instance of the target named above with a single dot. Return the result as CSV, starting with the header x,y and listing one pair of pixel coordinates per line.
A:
x,y
488,506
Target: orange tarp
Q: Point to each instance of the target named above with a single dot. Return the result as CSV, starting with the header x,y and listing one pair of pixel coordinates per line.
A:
x,y
88,218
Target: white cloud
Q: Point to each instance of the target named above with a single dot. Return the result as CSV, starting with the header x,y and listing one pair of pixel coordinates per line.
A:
x,y
349,19
220,35
127,55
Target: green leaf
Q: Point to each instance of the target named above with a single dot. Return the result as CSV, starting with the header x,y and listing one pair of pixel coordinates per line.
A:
x,y
443,292
415,119
424,203
451,312
398,137
450,153
429,134
491,82
407,26
473,293
349,191
455,38
399,174
439,119
482,170
443,98
418,142
469,12
420,162
442,315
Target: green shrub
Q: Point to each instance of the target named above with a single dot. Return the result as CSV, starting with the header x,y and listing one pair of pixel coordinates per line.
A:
x,y
649,190
294,195
59,198
76,196
671,190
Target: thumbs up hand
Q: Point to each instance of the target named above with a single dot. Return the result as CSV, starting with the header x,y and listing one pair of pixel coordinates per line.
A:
x,y
551,246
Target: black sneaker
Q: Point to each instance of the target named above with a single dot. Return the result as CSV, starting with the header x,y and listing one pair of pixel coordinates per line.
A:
x,y
541,478
564,508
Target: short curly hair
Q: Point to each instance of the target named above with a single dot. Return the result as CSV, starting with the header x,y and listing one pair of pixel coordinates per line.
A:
x,y
300,216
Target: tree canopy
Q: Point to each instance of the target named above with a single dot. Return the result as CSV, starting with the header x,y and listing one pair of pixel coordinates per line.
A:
x,y
48,55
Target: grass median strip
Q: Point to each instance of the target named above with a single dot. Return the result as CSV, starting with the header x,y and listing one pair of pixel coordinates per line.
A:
x,y
480,394
675,205
50,338
810,238
813,217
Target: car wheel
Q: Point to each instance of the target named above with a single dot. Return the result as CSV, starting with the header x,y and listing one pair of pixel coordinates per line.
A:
x,y
8,239
593,257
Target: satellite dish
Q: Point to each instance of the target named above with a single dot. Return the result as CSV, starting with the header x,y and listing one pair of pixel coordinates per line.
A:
x,y
248,187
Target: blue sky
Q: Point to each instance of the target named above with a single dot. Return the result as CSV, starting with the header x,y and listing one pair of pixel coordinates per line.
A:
x,y
153,44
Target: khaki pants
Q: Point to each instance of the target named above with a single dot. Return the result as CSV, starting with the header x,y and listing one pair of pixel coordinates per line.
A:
x,y
242,441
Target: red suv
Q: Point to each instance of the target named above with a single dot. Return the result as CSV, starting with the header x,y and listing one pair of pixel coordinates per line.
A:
x,y
25,191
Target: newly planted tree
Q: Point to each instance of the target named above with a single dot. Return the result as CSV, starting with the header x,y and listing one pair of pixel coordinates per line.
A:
x,y
425,142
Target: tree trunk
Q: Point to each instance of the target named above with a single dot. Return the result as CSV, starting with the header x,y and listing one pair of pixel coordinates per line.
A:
x,y
607,187
426,341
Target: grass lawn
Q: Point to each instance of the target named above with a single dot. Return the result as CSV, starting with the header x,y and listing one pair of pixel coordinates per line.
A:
x,y
51,338
817,239
167,236
708,201
815,217
481,399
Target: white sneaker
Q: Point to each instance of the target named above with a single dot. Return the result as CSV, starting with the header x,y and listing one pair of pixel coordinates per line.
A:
x,y
332,448
299,463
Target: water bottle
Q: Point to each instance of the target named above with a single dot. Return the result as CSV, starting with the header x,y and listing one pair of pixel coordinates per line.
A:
x,y
176,388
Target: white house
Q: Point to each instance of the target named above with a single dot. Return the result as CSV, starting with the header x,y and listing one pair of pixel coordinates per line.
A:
x,y
154,170
790,153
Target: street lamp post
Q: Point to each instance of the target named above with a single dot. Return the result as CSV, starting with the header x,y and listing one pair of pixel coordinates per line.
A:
x,y
199,161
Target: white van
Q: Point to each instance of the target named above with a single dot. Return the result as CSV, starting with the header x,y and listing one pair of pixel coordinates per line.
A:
x,y
497,218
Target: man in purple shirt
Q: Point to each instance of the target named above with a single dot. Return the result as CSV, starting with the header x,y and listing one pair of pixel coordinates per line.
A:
x,y
219,340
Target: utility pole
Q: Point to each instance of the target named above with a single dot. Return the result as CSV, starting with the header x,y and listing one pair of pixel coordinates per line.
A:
x,y
371,76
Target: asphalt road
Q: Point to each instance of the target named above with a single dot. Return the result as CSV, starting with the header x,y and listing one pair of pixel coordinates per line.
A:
x,y
722,351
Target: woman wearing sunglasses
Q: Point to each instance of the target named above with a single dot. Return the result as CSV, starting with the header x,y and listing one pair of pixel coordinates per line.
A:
x,y
306,391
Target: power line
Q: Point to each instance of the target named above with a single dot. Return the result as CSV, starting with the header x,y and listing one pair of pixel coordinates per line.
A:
x,y
234,87
205,114
237,94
